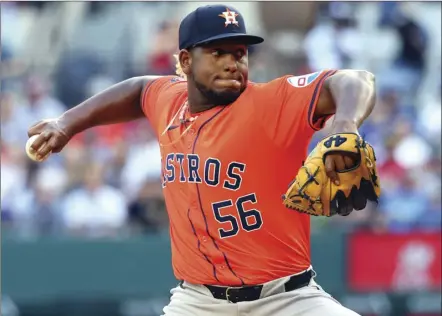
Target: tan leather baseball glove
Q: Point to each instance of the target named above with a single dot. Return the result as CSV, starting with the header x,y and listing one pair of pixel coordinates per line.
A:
x,y
313,192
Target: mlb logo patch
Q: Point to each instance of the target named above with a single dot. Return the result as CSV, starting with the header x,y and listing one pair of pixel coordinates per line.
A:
x,y
176,79
304,80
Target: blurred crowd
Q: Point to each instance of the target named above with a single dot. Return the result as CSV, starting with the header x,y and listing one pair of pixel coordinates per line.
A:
x,y
107,181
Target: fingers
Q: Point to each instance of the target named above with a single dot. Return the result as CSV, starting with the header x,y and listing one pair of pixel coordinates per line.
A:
x,y
46,148
330,170
358,199
368,191
341,205
39,141
39,127
49,138
34,129
339,162
345,207
349,162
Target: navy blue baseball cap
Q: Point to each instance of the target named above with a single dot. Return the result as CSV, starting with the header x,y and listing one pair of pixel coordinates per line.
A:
x,y
214,22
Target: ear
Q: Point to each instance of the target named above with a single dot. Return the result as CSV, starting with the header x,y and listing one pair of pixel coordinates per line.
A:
x,y
185,59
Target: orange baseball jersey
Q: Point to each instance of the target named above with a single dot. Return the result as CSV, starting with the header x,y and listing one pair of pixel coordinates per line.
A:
x,y
224,172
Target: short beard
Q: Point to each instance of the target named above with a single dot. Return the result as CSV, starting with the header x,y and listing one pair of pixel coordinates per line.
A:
x,y
218,98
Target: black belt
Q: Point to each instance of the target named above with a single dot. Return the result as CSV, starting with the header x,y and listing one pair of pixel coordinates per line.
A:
x,y
253,292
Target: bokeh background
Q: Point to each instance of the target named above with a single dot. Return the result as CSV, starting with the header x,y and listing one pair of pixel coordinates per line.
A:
x,y
86,232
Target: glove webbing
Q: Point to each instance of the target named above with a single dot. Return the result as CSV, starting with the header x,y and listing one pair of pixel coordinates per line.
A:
x,y
311,178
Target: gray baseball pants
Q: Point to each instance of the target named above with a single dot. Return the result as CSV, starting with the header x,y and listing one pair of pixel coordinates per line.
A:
x,y
196,300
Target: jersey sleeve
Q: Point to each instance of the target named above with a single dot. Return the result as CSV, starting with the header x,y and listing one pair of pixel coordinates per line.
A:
x,y
291,103
151,93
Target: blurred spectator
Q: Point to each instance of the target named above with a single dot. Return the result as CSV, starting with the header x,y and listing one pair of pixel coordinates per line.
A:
x,y
95,208
392,172
115,165
72,74
404,205
160,60
147,213
406,73
413,42
412,151
143,162
108,179
38,104
36,207
431,220
11,67
13,182
335,34
429,120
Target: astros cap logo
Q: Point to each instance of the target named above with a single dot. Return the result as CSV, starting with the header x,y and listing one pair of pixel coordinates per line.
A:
x,y
230,17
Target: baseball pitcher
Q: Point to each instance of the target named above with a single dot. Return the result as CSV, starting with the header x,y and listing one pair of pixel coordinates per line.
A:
x,y
239,185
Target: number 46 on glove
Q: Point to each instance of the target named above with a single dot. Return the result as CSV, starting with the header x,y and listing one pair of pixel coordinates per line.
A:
x,y
314,193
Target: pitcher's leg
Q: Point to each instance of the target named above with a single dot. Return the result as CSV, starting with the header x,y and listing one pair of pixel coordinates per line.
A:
x,y
191,300
307,301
